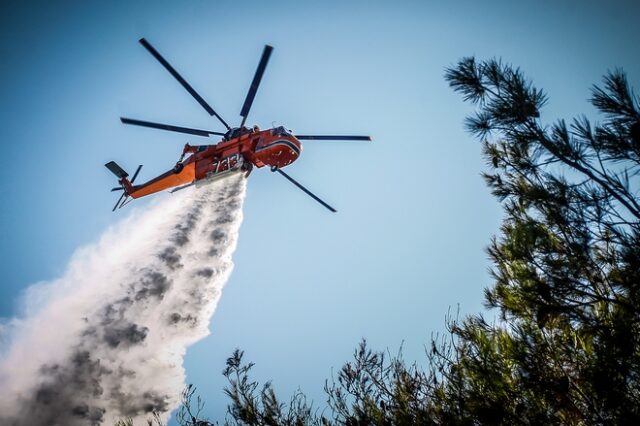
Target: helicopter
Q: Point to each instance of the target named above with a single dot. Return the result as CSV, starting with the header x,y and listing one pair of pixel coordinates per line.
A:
x,y
238,151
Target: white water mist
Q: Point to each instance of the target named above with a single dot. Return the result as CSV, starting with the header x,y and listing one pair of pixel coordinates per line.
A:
x,y
107,339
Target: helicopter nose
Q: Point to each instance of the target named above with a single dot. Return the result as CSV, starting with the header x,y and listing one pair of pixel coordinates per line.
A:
x,y
280,152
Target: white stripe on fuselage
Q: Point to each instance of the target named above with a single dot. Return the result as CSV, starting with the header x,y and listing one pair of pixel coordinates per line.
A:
x,y
281,142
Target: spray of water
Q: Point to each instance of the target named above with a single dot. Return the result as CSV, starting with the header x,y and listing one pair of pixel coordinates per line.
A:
x,y
106,341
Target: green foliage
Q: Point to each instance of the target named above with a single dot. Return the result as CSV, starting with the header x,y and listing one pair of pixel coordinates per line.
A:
x,y
189,412
250,407
567,265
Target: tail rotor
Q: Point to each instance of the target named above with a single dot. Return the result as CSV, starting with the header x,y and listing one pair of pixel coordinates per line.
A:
x,y
123,181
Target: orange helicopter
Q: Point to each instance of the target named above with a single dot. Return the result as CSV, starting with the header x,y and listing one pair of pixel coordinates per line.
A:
x,y
238,151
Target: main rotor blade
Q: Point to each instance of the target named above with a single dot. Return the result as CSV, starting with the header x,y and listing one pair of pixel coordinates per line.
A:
x,y
290,179
266,53
170,128
334,138
182,81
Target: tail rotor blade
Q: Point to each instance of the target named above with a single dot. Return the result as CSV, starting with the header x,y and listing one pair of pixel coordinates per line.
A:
x,y
266,53
333,138
179,129
119,188
135,175
118,202
126,197
309,193
182,81
116,170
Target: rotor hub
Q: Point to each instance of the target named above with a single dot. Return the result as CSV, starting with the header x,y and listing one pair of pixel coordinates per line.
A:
x,y
235,132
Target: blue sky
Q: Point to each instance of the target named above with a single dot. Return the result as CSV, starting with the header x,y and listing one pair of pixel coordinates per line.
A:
x,y
414,215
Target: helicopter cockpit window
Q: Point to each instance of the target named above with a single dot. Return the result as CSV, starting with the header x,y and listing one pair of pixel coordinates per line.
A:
x,y
281,131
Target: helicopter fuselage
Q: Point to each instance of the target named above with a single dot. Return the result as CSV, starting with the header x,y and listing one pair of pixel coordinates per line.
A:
x,y
276,148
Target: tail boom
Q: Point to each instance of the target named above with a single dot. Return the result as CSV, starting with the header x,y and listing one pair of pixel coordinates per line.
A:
x,y
167,180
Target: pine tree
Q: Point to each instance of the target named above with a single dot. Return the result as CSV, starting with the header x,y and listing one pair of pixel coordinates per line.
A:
x,y
567,265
